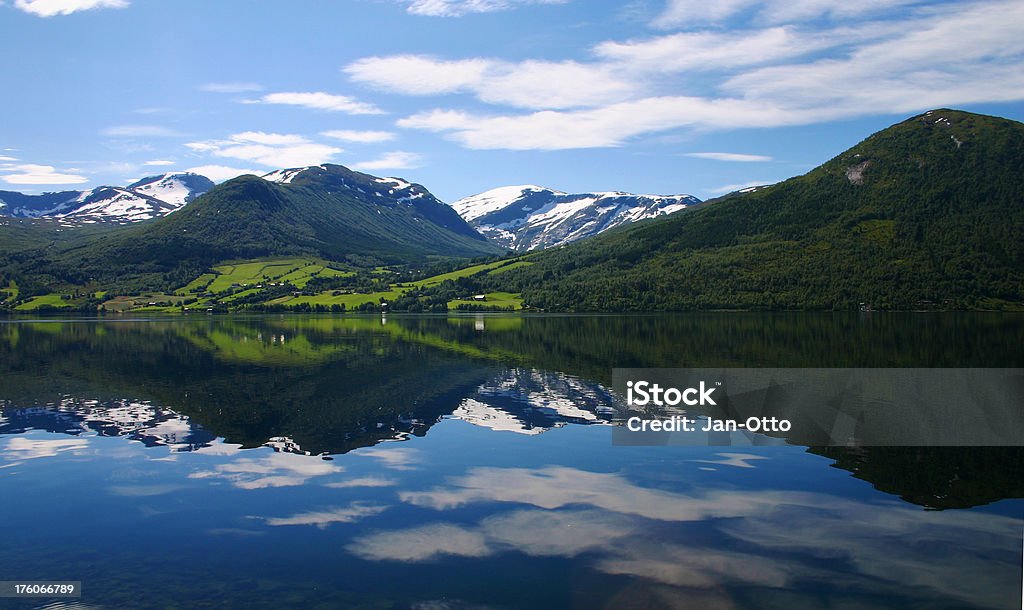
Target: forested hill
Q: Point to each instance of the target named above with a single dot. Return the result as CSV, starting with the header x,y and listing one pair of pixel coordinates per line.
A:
x,y
325,211
928,213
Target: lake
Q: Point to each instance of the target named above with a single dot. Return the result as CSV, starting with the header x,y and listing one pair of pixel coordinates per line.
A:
x,y
467,462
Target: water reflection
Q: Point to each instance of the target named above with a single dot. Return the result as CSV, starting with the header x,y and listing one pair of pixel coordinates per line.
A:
x,y
304,460
764,539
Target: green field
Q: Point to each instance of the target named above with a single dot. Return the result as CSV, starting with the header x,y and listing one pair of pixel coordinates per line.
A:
x,y
253,273
10,293
46,300
231,284
516,265
468,271
497,300
350,301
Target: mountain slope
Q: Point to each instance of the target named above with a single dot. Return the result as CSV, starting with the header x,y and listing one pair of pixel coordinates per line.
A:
x,y
523,218
326,211
148,198
925,214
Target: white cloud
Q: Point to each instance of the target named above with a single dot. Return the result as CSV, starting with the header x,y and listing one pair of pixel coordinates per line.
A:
x,y
21,448
391,160
729,188
558,486
421,544
688,13
232,87
724,156
158,163
3,158
527,84
40,174
459,8
418,74
50,8
957,56
362,482
610,125
270,139
691,12
403,458
751,76
362,137
139,131
270,149
274,470
711,50
737,460
220,173
871,546
321,101
355,511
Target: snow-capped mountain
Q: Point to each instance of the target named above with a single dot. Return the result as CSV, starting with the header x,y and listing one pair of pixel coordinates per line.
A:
x,y
530,217
530,401
379,187
148,198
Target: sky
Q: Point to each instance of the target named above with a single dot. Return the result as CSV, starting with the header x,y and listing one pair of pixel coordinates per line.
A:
x,y
646,96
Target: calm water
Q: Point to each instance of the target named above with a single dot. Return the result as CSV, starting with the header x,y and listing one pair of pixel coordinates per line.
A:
x,y
467,462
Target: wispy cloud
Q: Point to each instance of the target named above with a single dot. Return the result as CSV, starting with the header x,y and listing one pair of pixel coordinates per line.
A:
x,y
729,188
21,448
231,87
402,458
270,149
362,137
40,174
158,163
391,160
51,8
273,470
600,127
527,84
320,101
737,460
733,157
139,131
362,482
355,511
780,64
220,173
459,8
680,13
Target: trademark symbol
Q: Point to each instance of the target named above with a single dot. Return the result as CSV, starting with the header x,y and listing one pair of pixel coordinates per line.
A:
x,y
718,383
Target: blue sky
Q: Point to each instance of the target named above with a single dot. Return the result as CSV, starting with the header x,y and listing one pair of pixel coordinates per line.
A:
x,y
649,96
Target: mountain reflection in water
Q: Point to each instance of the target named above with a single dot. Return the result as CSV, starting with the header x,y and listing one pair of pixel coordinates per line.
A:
x,y
422,446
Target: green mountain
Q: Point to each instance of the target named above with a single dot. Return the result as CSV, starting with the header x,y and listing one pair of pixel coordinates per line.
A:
x,y
326,211
928,213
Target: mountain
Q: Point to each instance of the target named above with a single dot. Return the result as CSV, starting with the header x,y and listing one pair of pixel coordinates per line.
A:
x,y
326,211
148,198
927,214
523,218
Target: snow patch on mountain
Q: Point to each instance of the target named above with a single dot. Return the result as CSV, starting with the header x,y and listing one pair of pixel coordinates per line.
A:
x,y
145,199
530,217
284,176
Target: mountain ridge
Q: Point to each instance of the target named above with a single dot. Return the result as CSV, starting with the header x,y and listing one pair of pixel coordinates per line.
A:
x,y
530,217
145,199
925,214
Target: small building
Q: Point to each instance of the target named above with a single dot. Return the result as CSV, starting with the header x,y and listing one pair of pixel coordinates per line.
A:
x,y
480,297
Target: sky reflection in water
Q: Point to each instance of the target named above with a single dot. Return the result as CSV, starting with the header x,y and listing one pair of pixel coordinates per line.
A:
x,y
500,489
